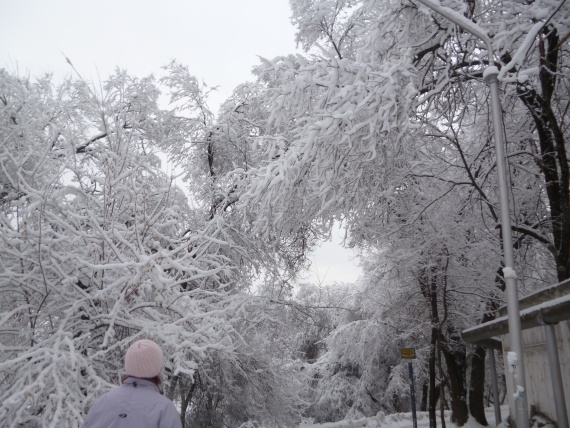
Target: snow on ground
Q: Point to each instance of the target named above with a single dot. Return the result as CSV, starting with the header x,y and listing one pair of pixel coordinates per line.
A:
x,y
404,420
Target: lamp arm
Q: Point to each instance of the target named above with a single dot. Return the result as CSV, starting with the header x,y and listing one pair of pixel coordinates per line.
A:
x,y
462,22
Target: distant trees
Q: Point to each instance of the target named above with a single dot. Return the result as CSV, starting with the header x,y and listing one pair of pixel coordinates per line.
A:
x,y
358,372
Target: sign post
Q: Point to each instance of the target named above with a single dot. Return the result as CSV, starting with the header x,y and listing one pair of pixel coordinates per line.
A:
x,y
410,354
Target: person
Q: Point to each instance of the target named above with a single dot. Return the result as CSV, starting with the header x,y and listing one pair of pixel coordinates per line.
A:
x,y
138,402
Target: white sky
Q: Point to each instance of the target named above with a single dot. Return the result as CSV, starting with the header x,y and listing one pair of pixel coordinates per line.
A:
x,y
333,263
219,40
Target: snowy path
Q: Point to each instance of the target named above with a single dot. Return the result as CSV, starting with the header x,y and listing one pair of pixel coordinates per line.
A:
x,y
404,420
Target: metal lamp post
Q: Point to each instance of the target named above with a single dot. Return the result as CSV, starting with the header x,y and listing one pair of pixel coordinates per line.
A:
x,y
490,75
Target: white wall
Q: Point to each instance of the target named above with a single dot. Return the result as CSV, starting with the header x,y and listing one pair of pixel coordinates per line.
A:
x,y
538,383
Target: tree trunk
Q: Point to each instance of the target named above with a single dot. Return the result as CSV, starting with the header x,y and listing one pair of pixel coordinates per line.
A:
x,y
553,160
186,400
455,360
477,360
432,401
173,385
477,385
423,405
441,390
430,291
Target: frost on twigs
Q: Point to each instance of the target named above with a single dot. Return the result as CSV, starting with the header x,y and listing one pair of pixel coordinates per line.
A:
x,y
349,122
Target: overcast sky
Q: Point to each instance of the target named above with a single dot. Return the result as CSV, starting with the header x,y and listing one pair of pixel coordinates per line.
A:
x,y
219,40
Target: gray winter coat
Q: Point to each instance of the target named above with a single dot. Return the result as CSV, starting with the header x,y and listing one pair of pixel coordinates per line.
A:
x,y
136,404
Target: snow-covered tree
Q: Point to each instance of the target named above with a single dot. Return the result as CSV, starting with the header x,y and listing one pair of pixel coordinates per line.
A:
x,y
99,247
385,127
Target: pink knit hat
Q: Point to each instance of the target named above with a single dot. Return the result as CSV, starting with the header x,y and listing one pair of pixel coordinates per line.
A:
x,y
144,359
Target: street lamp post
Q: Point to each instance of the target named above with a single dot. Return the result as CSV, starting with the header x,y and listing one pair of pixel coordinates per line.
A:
x,y
516,360
515,364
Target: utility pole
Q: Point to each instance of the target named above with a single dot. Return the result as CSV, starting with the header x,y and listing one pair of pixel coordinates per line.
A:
x,y
490,74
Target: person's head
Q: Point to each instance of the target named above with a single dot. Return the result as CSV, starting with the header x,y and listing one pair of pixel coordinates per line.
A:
x,y
144,359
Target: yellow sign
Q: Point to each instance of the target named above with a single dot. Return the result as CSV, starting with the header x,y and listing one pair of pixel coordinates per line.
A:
x,y
408,353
